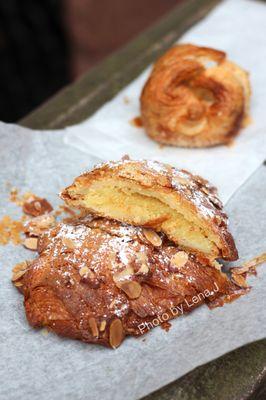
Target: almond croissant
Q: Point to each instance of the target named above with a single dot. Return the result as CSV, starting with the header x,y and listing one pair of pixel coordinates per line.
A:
x,y
98,280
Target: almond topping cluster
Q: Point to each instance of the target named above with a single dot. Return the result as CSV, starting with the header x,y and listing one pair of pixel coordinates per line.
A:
x,y
36,226
152,237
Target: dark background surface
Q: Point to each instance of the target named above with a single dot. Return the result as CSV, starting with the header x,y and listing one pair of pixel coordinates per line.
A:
x,y
46,44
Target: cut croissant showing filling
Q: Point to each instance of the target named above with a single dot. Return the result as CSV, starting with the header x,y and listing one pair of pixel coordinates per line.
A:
x,y
183,206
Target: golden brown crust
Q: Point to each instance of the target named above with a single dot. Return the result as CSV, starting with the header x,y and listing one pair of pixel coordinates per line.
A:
x,y
195,97
195,195
98,280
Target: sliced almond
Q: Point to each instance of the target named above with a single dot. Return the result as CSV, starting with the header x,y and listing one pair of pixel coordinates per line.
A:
x,y
249,266
216,265
152,237
112,303
125,274
239,280
241,270
18,284
131,288
179,259
20,266
116,333
144,269
36,226
182,181
68,243
45,221
31,243
141,257
84,271
102,326
17,275
93,327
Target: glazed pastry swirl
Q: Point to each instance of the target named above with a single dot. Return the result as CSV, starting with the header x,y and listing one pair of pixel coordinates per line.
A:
x,y
195,97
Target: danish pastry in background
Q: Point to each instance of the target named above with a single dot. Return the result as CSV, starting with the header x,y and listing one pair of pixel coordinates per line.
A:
x,y
150,194
195,97
99,280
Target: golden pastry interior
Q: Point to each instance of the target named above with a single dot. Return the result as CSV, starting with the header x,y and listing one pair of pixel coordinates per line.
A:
x,y
154,195
195,97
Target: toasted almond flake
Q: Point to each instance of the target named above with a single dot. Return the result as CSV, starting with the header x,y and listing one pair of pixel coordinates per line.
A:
x,y
112,303
205,190
132,289
249,265
116,333
142,257
84,271
45,221
179,259
152,237
31,243
125,274
144,269
239,280
68,243
20,266
17,275
216,265
18,284
36,225
182,181
102,326
93,327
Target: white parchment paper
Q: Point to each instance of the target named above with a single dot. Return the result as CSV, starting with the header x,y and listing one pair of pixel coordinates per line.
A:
x,y
34,366
237,27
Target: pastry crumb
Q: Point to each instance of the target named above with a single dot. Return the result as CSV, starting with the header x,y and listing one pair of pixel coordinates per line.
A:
x,y
10,230
137,122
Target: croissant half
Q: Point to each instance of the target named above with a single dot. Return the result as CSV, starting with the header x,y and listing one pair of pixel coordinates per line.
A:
x,y
195,97
150,194
143,253
98,280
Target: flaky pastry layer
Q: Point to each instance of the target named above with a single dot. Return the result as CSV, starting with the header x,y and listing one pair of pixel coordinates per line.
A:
x,y
146,193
